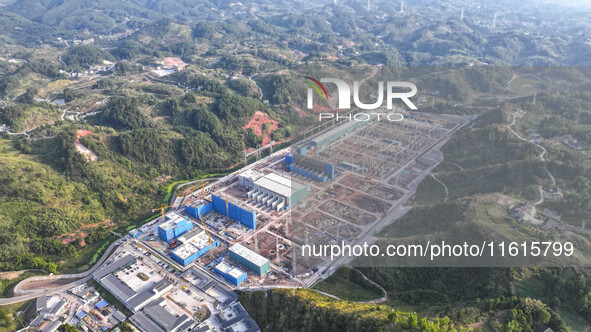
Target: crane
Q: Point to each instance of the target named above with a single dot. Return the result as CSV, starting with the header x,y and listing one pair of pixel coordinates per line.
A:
x,y
208,235
227,207
162,208
188,191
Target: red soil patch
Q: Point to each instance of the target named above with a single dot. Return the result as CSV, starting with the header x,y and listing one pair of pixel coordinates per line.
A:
x,y
82,133
68,238
257,122
171,62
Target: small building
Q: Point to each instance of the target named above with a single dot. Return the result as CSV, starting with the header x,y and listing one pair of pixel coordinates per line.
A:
x,y
551,214
234,275
135,233
235,318
550,223
248,178
174,227
169,322
50,305
249,259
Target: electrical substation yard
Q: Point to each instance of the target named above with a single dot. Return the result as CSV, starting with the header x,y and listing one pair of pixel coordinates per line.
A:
x,y
343,184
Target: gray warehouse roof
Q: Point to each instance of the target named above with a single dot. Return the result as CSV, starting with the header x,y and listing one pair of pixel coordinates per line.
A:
x,y
148,293
114,266
144,323
114,285
158,313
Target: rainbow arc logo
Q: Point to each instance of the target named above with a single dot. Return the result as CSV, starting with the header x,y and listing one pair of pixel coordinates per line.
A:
x,y
316,87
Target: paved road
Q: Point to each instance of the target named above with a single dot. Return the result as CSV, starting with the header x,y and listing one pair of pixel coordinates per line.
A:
x,y
541,156
87,275
434,176
258,87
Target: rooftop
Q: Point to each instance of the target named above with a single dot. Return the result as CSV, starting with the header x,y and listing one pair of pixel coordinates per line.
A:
x,y
190,235
115,285
279,184
193,245
114,266
144,323
172,220
234,315
248,254
252,174
162,315
229,270
144,296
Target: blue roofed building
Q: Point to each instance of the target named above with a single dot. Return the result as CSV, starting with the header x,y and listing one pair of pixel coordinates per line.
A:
x,y
232,274
174,226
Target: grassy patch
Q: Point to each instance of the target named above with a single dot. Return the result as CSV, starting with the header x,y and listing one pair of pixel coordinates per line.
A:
x,y
533,287
143,276
429,192
574,323
346,289
349,284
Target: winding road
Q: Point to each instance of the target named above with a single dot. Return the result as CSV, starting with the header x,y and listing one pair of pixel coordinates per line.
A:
x,y
541,156
81,278
434,176
255,83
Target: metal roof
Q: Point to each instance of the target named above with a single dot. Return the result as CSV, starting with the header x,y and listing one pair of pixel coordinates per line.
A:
x,y
147,294
116,286
144,323
157,312
102,304
229,270
278,184
248,254
114,266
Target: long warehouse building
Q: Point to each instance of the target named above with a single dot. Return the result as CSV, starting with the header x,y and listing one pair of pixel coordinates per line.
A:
x,y
249,259
277,192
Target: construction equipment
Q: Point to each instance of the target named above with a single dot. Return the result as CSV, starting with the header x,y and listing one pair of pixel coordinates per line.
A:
x,y
208,235
227,207
203,189
162,208
190,190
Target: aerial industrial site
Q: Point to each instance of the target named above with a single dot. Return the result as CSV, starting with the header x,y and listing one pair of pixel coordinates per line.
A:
x,y
342,183
338,184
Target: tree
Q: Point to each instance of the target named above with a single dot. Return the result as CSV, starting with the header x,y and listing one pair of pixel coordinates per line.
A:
x,y
125,327
512,326
412,321
68,328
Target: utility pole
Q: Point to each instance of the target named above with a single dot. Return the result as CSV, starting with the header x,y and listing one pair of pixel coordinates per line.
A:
x,y
277,251
256,243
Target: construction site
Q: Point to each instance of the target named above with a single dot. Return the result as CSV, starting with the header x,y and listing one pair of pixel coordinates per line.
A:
x,y
337,185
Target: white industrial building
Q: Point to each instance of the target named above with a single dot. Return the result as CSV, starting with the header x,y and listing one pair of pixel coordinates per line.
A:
x,y
276,191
